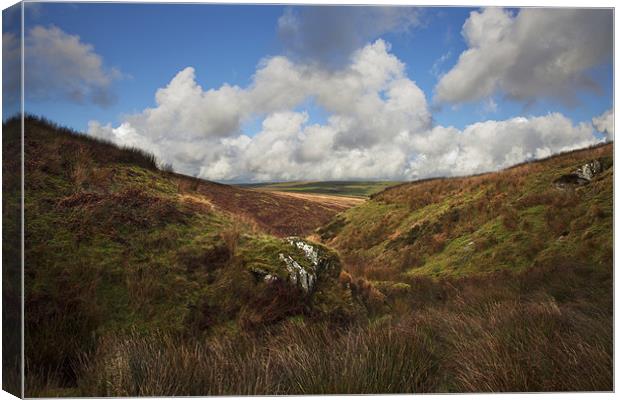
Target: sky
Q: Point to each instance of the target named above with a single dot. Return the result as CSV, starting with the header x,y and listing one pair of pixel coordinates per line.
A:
x,y
241,93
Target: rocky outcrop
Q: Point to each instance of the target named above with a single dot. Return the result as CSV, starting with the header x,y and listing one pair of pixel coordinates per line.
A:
x,y
314,261
589,170
298,275
582,175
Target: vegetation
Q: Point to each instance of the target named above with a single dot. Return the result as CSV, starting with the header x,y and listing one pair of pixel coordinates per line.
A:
x,y
11,258
492,333
337,188
511,220
141,281
115,245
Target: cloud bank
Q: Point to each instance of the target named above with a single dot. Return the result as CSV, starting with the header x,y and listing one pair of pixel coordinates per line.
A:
x,y
539,53
378,125
59,66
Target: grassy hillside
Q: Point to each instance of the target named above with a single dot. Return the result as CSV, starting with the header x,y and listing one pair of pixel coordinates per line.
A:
x,y
508,274
115,245
337,188
506,221
274,213
145,282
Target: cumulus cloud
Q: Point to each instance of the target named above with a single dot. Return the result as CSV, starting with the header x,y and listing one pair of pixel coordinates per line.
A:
x,y
378,126
491,145
604,123
540,52
329,35
59,66
369,101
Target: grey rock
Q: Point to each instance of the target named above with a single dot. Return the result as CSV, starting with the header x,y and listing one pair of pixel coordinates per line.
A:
x,y
304,277
582,175
270,278
297,274
589,170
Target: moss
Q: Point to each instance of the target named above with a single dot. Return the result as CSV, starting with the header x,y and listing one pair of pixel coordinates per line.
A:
x,y
335,303
262,253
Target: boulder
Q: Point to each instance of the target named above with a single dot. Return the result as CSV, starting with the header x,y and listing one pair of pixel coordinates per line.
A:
x,y
582,175
589,170
304,271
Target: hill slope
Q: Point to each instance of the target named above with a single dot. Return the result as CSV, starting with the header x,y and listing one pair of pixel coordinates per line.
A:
x,y
277,213
115,245
145,282
532,214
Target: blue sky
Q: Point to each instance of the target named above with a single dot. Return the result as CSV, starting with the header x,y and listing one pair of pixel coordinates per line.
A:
x,y
150,43
136,49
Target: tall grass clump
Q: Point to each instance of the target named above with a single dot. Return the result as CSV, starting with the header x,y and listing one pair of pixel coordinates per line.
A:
x,y
292,359
504,333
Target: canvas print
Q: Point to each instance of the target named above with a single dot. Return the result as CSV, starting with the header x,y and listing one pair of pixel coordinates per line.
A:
x,y
241,199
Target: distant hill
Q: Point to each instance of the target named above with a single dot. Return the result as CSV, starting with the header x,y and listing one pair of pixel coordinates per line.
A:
x,y
336,188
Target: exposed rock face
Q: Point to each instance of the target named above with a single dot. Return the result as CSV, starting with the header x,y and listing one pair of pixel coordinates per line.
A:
x,y
312,254
299,275
589,170
305,273
582,175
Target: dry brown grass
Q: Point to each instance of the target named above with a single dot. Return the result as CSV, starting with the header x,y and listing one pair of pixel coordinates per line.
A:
x,y
82,168
471,335
293,359
549,328
336,202
230,237
281,214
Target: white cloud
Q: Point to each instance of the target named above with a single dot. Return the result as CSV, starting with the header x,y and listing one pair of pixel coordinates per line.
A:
x,y
540,52
378,126
491,145
604,123
60,66
489,106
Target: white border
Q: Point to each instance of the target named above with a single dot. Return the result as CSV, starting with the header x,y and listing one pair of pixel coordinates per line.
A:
x,y
458,3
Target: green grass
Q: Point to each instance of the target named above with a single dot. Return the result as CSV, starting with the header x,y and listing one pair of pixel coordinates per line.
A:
x,y
498,282
112,247
545,330
507,221
336,188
